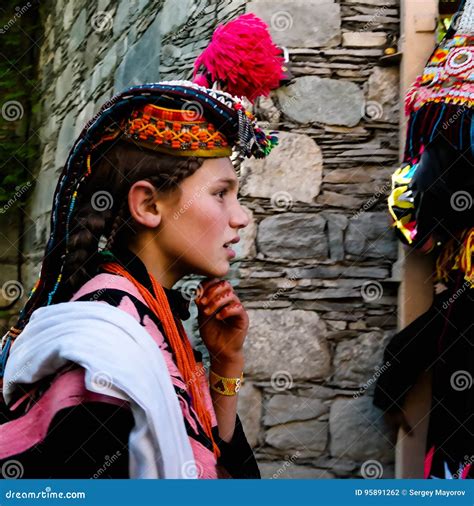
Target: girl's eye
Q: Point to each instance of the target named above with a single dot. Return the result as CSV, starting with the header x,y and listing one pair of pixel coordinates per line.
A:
x,y
221,193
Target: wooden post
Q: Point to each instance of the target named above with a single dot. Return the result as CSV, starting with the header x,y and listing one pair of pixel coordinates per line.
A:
x,y
418,23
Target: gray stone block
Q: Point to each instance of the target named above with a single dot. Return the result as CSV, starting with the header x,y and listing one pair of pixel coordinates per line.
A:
x,y
291,408
250,411
312,99
310,437
65,139
293,235
286,345
353,423
369,235
141,62
301,23
278,176
78,31
356,360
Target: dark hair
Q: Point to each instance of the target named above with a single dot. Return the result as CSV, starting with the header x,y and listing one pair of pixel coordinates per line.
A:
x,y
102,210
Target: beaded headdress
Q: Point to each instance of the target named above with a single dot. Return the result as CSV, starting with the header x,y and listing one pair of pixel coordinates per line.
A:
x,y
181,118
439,104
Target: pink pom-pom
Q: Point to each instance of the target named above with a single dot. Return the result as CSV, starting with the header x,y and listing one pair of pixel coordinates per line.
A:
x,y
242,58
201,80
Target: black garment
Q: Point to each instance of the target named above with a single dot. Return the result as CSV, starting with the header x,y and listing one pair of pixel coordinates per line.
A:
x,y
84,441
442,341
443,191
91,440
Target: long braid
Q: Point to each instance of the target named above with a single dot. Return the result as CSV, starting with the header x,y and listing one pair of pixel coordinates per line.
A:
x,y
117,224
55,252
70,257
82,260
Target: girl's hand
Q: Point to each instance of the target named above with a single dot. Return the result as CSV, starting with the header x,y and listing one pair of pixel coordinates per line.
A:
x,y
223,321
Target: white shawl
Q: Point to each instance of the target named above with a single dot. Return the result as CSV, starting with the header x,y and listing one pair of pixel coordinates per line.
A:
x,y
121,360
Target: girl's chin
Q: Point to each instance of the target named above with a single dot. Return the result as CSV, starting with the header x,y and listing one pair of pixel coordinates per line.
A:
x,y
218,270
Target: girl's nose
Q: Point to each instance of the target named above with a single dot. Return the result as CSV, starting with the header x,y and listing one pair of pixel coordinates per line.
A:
x,y
239,218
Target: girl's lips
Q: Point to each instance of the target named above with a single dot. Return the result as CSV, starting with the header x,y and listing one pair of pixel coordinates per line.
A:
x,y
230,252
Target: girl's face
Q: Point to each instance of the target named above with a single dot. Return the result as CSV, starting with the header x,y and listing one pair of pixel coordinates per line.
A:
x,y
199,226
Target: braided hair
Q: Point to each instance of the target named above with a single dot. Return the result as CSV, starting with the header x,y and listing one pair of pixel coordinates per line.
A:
x,y
101,213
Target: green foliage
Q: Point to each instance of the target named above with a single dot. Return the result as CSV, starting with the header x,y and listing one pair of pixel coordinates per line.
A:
x,y
19,31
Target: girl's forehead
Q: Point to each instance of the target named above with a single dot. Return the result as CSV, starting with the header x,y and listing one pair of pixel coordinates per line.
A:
x,y
217,168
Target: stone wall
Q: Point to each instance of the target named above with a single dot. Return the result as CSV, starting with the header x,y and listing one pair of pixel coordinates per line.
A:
x,y
315,265
317,277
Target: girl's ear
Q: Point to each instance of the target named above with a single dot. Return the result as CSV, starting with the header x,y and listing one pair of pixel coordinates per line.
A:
x,y
143,204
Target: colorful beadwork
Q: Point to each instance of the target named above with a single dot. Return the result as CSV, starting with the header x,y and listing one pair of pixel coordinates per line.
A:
x,y
449,75
179,132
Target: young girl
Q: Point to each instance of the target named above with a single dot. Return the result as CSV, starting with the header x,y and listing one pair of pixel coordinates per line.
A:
x,y
101,379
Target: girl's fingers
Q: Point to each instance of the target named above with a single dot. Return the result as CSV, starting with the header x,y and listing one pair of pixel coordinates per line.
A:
x,y
219,301
204,286
231,310
214,291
